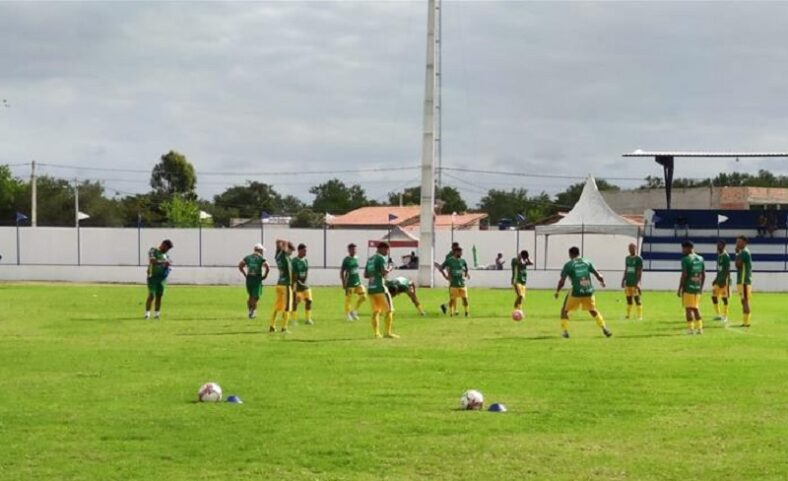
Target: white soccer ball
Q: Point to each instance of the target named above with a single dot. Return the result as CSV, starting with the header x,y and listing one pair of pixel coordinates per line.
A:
x,y
210,392
472,400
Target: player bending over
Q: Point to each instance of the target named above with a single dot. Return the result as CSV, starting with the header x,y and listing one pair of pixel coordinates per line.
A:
x,y
375,272
252,267
455,270
158,270
744,278
520,277
351,283
283,305
302,290
721,286
693,276
403,285
630,281
579,271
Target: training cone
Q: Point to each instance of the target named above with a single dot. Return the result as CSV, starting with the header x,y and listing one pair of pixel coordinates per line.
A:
x,y
234,399
497,408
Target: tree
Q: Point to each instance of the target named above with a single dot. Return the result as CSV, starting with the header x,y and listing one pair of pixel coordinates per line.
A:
x,y
307,218
246,201
10,191
174,175
336,197
568,198
502,204
181,212
451,198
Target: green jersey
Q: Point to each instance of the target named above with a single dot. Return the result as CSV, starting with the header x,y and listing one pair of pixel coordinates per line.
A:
x,y
398,285
285,267
579,271
254,265
300,271
632,265
457,268
723,269
350,265
744,273
692,267
376,266
158,268
519,273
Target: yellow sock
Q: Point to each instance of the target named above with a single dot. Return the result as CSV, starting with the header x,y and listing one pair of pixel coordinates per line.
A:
x,y
600,321
725,311
347,302
376,323
717,308
689,325
564,324
420,309
629,309
746,319
698,324
640,311
389,322
285,319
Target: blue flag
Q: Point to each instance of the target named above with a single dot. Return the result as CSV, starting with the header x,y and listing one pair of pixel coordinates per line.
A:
x,y
264,215
20,217
392,217
520,218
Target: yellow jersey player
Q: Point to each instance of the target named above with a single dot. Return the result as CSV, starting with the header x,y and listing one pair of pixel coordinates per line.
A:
x,y
520,277
375,272
158,270
693,276
579,271
302,290
630,281
252,267
283,305
351,283
403,285
721,286
744,277
455,270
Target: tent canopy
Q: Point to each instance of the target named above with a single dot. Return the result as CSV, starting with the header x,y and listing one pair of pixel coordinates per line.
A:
x,y
591,215
397,237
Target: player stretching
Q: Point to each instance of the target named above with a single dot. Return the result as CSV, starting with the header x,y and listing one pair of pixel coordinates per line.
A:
x,y
455,270
158,270
351,283
630,281
403,285
302,290
744,277
520,277
375,272
693,276
449,255
284,285
251,267
721,286
579,271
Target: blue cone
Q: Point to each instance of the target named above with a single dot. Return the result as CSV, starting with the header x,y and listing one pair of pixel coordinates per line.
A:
x,y
234,399
497,408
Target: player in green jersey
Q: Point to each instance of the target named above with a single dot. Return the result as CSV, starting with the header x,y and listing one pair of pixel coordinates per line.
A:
x,y
158,270
693,276
721,286
579,270
302,290
438,265
376,270
630,281
284,285
255,269
403,285
520,277
455,270
744,277
351,283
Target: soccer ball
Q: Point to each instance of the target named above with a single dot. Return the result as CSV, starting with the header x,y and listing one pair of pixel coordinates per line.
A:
x,y
517,315
472,400
210,392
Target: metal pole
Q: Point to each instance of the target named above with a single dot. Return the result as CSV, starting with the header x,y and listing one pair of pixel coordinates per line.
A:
x,y
139,239
438,82
325,241
582,239
76,220
17,242
262,231
33,195
452,232
199,243
517,247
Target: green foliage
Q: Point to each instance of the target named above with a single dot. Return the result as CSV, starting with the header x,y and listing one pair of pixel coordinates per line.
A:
x,y
335,197
181,212
307,218
10,190
450,197
502,204
763,178
174,175
250,200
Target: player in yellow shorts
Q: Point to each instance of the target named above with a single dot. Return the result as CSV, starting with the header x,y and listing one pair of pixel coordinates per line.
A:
x,y
744,278
455,270
721,286
520,277
283,305
630,281
302,291
375,272
579,271
693,276
351,283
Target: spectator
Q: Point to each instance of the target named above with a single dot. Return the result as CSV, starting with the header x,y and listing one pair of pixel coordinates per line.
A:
x,y
681,227
762,221
499,262
772,223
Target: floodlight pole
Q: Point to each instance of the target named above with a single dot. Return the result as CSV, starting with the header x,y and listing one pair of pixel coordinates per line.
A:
x,y
667,163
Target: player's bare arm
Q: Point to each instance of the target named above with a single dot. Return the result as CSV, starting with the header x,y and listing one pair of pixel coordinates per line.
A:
x,y
242,268
560,286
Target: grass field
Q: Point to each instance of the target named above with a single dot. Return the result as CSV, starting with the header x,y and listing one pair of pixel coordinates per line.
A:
x,y
93,392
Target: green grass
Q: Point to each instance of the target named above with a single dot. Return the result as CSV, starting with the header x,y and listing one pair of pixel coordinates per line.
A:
x,y
90,391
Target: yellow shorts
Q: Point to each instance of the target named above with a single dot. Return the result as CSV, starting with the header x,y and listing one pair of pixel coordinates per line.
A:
x,y
719,291
572,303
358,290
690,301
305,295
631,292
381,302
519,289
458,292
744,291
284,298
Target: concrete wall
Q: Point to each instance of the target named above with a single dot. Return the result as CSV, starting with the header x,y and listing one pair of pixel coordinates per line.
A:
x,y
636,201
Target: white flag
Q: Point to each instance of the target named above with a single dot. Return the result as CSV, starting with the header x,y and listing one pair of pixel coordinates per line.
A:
x,y
204,215
82,216
721,219
329,217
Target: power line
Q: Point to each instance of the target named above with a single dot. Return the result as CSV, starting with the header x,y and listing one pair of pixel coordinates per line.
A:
x,y
538,176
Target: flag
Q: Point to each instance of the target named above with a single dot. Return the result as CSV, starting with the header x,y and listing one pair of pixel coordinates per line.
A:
x,y
264,216
520,218
82,216
204,215
329,217
721,218
392,217
20,217
139,220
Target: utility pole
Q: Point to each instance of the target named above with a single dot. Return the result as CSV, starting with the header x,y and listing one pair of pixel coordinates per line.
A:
x,y
76,202
33,195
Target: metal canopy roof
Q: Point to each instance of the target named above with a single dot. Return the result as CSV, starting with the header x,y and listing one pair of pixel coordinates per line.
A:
x,y
678,153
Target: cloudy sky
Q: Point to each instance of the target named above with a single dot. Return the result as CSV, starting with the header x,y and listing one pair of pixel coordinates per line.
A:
x,y
276,87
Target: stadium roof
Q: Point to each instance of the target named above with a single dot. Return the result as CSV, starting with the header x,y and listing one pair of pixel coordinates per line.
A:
x,y
682,153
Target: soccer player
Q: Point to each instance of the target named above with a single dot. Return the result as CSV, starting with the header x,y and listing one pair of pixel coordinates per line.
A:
x,y
351,283
158,270
520,277
284,285
693,276
455,270
579,271
403,285
302,290
449,255
252,267
376,270
744,277
630,281
721,286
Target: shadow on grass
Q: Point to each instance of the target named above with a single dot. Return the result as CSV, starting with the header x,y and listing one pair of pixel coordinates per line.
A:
x,y
233,333
331,340
532,338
